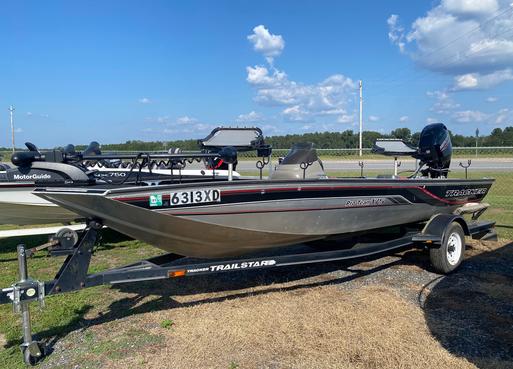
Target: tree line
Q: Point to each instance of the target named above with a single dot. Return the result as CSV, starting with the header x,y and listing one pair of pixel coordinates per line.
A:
x,y
323,140
332,140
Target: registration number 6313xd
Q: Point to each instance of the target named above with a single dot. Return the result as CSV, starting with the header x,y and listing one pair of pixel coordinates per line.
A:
x,y
194,197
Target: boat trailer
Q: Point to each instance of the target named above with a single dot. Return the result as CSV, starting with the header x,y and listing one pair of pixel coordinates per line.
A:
x,y
73,274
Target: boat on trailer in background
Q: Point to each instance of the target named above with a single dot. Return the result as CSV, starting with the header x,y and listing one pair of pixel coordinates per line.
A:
x,y
226,221
69,168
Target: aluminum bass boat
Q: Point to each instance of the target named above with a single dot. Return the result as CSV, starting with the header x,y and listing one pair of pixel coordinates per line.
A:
x,y
297,203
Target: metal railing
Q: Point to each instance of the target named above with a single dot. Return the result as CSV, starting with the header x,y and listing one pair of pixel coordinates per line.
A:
x,y
351,153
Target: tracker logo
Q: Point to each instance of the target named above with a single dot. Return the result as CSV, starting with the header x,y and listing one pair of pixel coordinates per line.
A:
x,y
28,177
466,192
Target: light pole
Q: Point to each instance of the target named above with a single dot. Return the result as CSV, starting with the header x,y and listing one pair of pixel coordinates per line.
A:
x,y
477,137
361,118
11,111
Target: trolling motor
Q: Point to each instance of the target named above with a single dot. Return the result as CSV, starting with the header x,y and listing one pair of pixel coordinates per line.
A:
x,y
68,154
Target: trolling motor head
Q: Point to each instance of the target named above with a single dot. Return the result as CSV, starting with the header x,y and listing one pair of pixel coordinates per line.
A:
x,y
67,155
435,150
25,158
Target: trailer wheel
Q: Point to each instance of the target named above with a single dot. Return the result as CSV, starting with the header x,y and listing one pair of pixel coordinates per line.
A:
x,y
449,255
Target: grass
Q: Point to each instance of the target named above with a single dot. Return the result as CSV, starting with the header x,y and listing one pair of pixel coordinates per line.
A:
x,y
118,325
167,323
63,313
288,321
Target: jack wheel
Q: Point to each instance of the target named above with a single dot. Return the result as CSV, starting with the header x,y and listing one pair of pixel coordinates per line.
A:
x,y
67,238
31,359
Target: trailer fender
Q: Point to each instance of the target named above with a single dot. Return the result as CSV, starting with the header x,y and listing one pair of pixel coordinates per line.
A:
x,y
434,230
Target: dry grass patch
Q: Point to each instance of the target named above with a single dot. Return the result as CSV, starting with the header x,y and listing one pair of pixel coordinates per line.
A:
x,y
372,327
477,247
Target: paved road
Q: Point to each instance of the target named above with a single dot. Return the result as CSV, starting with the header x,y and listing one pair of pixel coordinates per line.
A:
x,y
498,164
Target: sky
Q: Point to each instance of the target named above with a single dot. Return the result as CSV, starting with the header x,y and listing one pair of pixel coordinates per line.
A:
x,y
113,71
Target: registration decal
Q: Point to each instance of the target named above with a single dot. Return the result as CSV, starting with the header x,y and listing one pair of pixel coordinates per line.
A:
x,y
194,197
155,200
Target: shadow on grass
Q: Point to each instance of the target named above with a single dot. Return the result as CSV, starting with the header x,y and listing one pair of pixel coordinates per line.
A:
x,y
471,312
157,295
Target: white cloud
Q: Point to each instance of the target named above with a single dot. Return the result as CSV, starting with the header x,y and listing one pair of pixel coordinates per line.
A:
x,y
269,128
470,7
504,117
373,118
346,118
250,117
266,43
467,116
430,120
396,32
298,102
186,120
144,100
29,114
295,114
161,119
44,115
444,102
492,99
460,38
166,120
301,101
404,119
477,81
18,130
193,129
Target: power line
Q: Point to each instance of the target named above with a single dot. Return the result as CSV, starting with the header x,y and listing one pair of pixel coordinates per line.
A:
x,y
495,15
427,72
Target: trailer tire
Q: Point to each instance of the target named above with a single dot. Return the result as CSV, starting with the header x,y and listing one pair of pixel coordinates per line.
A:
x,y
449,255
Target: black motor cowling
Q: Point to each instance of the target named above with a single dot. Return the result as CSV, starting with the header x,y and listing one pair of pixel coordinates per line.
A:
x,y
435,150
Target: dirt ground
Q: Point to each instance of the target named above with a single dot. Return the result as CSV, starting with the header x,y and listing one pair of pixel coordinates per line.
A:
x,y
385,313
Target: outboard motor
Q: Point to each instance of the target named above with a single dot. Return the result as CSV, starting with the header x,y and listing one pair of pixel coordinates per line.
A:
x,y
301,162
434,150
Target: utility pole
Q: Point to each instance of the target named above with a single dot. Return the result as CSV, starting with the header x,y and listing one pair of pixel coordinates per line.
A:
x,y
477,138
11,110
361,117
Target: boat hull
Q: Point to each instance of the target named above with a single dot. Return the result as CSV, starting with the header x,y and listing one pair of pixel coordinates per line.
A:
x,y
18,206
267,214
